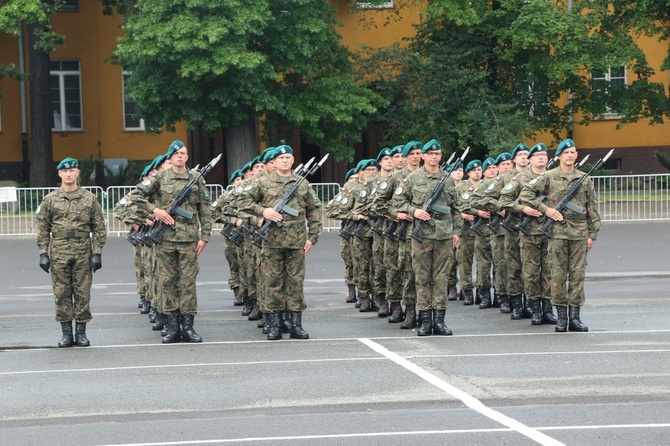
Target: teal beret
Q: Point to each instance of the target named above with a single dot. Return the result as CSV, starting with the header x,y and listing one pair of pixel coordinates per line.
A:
x,y
145,171
254,161
156,163
283,149
452,165
268,155
473,165
433,144
505,156
539,147
488,162
350,172
384,152
410,146
174,146
67,163
237,174
565,144
360,166
519,148
246,168
396,149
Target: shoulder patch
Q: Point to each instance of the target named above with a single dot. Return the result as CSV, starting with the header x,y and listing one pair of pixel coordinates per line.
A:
x,y
345,200
533,181
466,196
215,203
362,193
374,189
315,198
146,182
509,186
39,208
399,190
491,186
238,189
249,187
123,201
383,185
339,197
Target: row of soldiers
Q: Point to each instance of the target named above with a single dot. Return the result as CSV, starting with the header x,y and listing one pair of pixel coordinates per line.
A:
x,y
274,296
495,221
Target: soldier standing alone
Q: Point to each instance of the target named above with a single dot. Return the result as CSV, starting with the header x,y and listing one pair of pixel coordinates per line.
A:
x,y
65,219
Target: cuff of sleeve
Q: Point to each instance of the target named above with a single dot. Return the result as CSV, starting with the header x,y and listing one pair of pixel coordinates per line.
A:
x,y
313,240
542,207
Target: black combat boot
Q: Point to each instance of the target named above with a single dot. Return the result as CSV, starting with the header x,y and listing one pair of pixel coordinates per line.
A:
x,y
248,306
238,302
296,326
516,302
396,313
504,304
410,317
141,302
478,297
536,310
275,329
526,313
365,304
146,306
188,334
351,297
484,297
255,311
496,299
160,322
374,303
562,321
439,327
453,294
262,321
383,305
426,321
152,315
80,334
575,323
548,312
172,332
469,298
286,321
359,300
266,327
67,340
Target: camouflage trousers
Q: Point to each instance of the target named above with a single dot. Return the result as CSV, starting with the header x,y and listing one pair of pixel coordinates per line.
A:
x,y
513,261
260,276
250,267
378,272
345,252
430,262
148,278
230,251
393,280
139,270
362,256
535,266
567,263
406,272
499,264
284,272
242,265
154,283
484,258
71,279
452,280
178,268
466,254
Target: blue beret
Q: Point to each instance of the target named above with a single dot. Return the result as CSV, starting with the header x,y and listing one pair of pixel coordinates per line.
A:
x,y
384,152
473,165
268,155
283,149
67,163
565,144
505,156
174,146
433,144
539,147
488,162
410,146
519,148
237,174
350,172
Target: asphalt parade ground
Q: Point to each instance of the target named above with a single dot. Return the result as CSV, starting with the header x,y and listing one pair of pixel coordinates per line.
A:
x,y
357,380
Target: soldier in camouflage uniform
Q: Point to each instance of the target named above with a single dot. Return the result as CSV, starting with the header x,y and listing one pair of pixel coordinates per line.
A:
x,y
457,178
183,241
572,239
430,257
283,254
65,221
467,239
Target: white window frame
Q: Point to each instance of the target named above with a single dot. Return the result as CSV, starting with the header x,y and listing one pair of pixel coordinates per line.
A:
x,y
61,89
368,5
124,75
608,78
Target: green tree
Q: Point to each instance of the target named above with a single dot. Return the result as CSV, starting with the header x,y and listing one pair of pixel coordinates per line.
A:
x,y
224,64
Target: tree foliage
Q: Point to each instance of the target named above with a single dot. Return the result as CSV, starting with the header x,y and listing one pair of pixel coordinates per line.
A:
x,y
217,63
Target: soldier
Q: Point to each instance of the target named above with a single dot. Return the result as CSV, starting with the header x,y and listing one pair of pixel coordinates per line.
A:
x,y
430,257
182,244
466,242
283,254
572,238
457,178
65,221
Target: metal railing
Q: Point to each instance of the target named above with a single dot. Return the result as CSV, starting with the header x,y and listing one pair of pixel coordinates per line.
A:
x,y
620,198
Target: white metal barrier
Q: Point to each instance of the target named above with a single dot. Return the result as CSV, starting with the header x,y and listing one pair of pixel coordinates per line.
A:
x,y
633,197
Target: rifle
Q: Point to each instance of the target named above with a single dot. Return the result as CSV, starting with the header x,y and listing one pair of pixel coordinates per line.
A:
x,y
430,204
378,226
565,202
282,205
131,236
155,234
476,225
390,231
346,231
523,226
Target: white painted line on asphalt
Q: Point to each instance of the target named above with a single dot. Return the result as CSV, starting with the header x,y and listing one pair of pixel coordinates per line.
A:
x,y
464,397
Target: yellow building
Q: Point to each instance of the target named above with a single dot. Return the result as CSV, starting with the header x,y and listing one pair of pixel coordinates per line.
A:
x,y
91,116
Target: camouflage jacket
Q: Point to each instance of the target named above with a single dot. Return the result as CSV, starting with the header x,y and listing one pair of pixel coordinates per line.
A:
x,y
510,193
447,211
486,196
554,184
78,213
160,190
266,193
360,205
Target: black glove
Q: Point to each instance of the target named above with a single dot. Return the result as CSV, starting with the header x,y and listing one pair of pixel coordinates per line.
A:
x,y
45,263
96,262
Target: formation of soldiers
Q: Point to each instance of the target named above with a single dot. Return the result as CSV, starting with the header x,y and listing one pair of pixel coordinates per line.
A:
x,y
409,237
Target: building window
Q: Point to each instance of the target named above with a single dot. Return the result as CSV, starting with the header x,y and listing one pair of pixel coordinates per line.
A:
x,y
605,82
374,4
66,5
130,121
65,94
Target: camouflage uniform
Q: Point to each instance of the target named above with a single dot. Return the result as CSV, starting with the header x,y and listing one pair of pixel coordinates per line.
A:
x,y
222,212
466,242
362,244
334,210
66,220
121,213
379,273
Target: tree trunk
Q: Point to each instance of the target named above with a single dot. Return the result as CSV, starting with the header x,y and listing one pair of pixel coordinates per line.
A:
x,y
240,144
41,148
